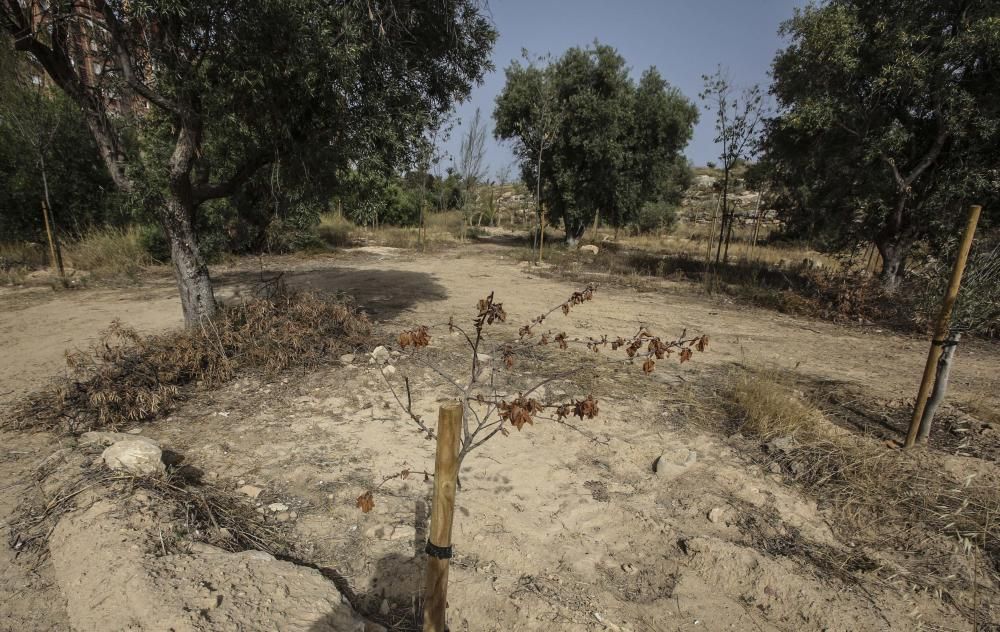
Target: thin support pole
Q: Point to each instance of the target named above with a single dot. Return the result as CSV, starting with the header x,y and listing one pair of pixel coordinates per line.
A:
x,y
541,235
943,325
442,515
55,254
756,227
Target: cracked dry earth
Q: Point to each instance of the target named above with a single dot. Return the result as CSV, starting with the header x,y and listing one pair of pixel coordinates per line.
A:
x,y
557,528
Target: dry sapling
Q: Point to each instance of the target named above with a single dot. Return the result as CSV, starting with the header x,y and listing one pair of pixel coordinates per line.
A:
x,y
489,409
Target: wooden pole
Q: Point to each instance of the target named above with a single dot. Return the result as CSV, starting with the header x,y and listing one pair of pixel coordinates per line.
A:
x,y
756,228
442,514
541,235
942,326
711,240
55,257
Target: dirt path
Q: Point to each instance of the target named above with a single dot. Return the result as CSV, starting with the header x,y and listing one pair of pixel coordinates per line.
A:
x,y
557,530
419,289
37,326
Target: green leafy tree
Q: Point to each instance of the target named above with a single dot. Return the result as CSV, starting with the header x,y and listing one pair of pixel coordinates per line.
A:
x,y
888,120
612,144
46,153
235,86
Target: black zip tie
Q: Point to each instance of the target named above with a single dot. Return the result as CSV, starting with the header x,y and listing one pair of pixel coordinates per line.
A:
x,y
440,552
944,343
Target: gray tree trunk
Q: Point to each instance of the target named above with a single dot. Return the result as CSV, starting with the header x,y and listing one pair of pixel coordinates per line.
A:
x,y
177,216
190,270
893,257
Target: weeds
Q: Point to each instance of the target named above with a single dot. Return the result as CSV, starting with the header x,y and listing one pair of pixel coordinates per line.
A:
x,y
109,253
440,228
887,499
127,377
335,230
18,259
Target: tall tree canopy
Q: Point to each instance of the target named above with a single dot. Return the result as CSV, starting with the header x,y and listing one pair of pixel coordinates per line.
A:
x,y
888,120
233,86
591,138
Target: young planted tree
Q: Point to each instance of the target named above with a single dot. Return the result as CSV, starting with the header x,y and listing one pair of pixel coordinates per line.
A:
x,y
738,122
46,154
887,122
490,407
527,112
503,177
471,165
232,87
611,142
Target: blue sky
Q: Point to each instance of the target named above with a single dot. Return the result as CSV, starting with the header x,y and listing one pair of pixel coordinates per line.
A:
x,y
684,39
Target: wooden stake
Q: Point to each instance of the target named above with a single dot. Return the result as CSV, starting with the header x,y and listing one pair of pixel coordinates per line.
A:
x,y
711,242
541,235
756,228
943,324
55,256
442,514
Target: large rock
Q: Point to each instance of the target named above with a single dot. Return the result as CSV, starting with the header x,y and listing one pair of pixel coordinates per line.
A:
x,y
592,249
135,455
114,580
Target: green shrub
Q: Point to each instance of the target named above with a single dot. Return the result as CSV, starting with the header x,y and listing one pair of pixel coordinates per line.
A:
x,y
656,217
154,242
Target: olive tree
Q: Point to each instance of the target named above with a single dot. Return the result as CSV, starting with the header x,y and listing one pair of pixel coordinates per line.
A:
x,y
231,87
888,121
611,143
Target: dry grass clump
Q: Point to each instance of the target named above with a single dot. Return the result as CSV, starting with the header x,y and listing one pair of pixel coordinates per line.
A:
x,y
198,512
767,410
884,498
335,230
18,259
108,252
210,514
127,377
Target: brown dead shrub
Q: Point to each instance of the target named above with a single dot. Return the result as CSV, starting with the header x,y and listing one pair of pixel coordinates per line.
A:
x,y
127,377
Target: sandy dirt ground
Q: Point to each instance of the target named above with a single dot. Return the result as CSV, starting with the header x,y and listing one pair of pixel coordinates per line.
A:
x,y
557,528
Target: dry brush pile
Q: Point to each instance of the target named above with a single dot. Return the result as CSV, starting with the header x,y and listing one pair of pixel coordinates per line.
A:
x,y
127,377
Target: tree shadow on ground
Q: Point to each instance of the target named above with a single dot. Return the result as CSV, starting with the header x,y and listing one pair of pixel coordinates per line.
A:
x,y
383,294
393,597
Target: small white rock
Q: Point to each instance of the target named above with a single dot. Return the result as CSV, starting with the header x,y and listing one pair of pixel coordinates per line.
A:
x,y
380,355
135,455
278,507
388,370
250,490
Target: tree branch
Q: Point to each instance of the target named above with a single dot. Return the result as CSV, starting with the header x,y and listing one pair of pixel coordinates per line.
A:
x,y
209,191
125,63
